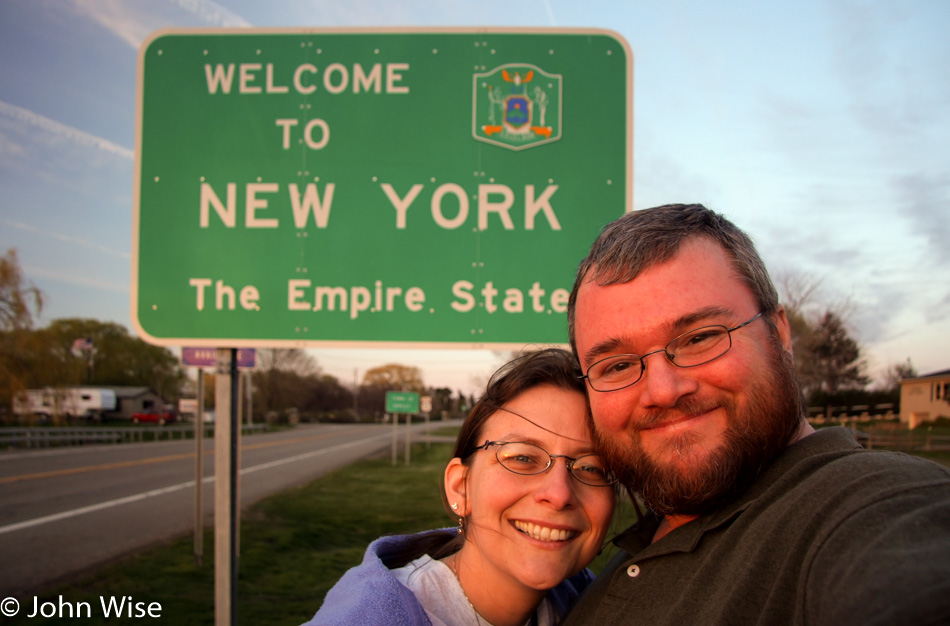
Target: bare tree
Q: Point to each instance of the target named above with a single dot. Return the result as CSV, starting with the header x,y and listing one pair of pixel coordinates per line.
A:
x,y
821,343
797,290
287,360
896,372
277,378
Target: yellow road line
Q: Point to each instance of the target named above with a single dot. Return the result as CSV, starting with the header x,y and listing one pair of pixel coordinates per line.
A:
x,y
93,468
158,459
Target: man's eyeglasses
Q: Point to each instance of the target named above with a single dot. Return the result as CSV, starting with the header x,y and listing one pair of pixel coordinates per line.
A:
x,y
690,349
528,459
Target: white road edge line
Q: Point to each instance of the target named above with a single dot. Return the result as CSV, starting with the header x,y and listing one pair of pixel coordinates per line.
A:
x,y
39,521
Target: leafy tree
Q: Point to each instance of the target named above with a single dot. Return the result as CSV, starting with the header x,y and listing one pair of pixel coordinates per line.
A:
x,y
22,365
372,400
395,377
117,357
46,358
465,404
441,400
391,377
836,357
327,394
19,301
17,297
48,361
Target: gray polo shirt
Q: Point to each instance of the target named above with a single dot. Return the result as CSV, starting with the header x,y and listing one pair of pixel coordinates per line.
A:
x,y
829,534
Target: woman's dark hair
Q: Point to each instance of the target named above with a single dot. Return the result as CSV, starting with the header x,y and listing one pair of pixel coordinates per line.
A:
x,y
550,366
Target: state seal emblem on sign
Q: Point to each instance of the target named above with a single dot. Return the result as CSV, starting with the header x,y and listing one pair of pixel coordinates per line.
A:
x,y
516,106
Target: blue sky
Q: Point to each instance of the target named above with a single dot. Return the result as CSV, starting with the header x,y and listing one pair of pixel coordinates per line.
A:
x,y
820,127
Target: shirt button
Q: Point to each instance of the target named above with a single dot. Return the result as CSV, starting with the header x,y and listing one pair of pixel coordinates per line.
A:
x,y
633,571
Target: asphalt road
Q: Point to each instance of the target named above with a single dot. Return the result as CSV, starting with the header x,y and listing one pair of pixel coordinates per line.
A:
x,y
65,511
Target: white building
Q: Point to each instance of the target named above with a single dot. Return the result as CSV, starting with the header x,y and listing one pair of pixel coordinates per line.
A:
x,y
925,398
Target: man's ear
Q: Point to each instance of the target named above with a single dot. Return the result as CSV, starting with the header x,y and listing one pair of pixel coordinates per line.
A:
x,y
783,327
456,486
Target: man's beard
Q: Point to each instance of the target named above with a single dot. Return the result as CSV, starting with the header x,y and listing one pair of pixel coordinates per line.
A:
x,y
753,438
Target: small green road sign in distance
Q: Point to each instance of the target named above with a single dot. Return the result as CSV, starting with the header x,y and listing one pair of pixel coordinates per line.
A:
x,y
402,402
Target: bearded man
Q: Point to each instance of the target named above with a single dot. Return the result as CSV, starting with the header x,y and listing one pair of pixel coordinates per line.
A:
x,y
753,516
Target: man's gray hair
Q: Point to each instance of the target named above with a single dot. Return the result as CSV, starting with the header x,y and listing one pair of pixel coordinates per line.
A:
x,y
641,239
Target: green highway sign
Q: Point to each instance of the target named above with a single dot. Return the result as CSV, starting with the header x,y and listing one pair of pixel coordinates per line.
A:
x,y
383,187
402,402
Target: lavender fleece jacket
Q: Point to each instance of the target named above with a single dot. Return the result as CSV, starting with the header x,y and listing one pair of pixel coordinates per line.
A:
x,y
370,595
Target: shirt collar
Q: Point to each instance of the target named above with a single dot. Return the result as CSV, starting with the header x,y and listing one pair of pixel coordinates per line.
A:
x,y
789,465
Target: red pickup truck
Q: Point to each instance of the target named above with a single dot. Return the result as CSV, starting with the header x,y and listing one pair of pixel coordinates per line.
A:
x,y
164,416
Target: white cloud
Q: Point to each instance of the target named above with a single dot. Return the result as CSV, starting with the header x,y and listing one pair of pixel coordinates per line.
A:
x,y
211,13
57,129
923,201
133,21
66,238
117,17
83,280
549,11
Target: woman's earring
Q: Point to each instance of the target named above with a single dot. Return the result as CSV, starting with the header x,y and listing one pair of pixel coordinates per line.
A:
x,y
461,529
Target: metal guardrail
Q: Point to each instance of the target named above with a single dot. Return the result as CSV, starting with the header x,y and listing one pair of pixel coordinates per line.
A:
x,y
900,439
46,437
905,441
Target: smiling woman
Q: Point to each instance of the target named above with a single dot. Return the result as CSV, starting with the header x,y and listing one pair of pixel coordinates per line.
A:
x,y
527,525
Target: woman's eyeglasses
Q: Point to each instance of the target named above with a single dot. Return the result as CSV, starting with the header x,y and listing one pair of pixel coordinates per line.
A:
x,y
528,459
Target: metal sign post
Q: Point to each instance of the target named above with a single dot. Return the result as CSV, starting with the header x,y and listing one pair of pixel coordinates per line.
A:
x,y
425,405
408,436
199,471
210,357
226,506
402,402
395,436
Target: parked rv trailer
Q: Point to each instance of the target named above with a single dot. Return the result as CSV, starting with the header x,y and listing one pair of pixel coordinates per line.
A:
x,y
70,402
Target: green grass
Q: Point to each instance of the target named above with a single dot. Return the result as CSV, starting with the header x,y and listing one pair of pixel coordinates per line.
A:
x,y
294,546
937,457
